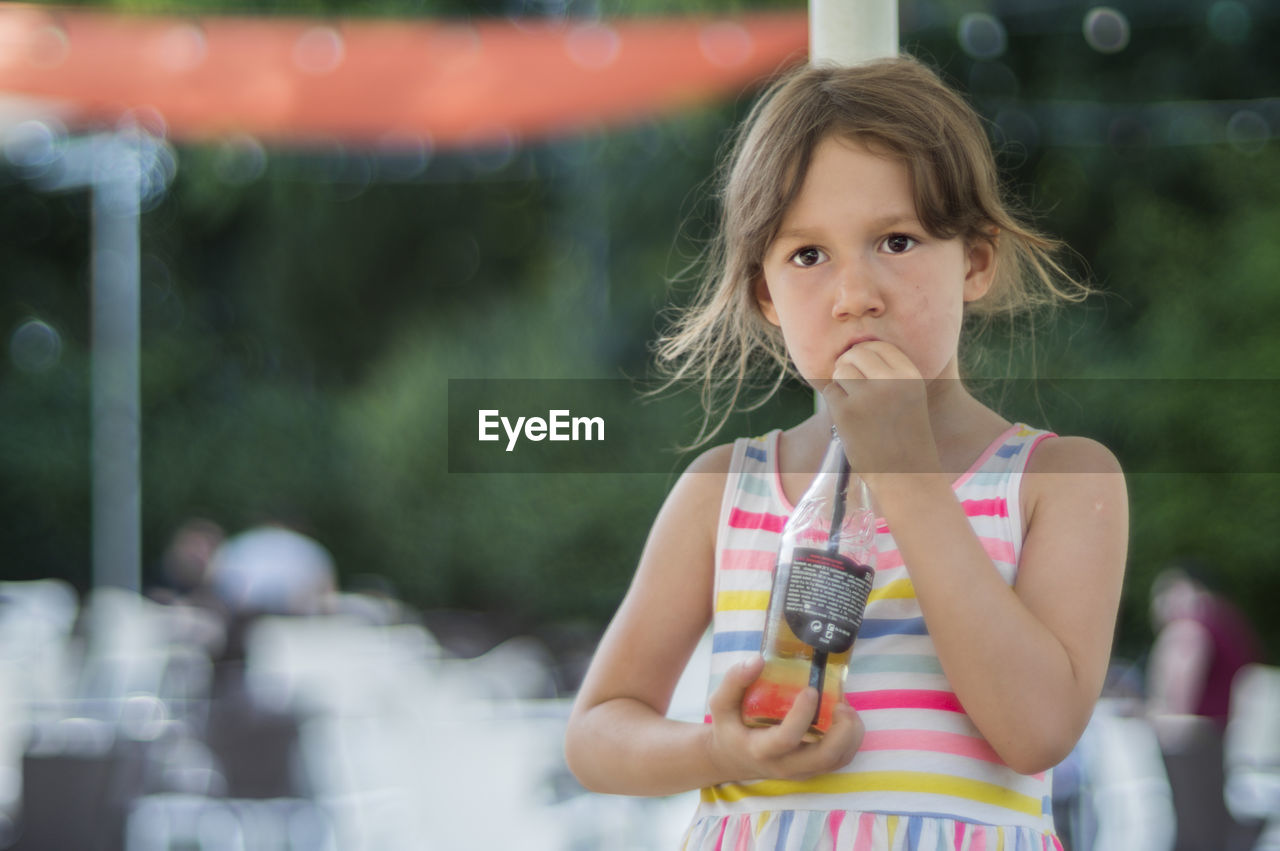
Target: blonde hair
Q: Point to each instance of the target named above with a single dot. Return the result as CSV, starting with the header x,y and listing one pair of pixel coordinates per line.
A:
x,y
898,107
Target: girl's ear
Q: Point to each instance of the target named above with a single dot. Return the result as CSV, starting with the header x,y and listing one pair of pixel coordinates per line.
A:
x,y
766,301
980,267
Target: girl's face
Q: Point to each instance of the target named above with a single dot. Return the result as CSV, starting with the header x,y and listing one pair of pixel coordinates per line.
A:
x,y
852,263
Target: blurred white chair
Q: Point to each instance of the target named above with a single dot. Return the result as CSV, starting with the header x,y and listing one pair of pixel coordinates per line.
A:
x,y
36,618
331,663
1125,786
1251,751
126,648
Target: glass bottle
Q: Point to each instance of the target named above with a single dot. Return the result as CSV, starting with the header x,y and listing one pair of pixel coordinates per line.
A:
x,y
824,573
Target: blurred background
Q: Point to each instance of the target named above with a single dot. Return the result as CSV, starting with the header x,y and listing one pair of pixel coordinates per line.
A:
x,y
305,302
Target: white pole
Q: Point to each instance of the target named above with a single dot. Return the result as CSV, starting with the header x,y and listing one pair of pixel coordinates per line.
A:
x,y
117,491
846,32
111,166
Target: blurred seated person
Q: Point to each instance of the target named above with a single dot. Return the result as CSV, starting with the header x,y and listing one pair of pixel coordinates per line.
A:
x,y
184,564
1202,640
273,569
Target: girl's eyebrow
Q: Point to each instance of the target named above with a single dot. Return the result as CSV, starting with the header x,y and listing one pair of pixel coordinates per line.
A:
x,y
888,221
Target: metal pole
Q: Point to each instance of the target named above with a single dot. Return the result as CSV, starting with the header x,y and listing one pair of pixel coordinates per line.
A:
x,y
846,32
120,170
117,490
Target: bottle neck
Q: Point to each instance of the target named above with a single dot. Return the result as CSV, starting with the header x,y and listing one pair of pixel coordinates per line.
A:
x,y
834,457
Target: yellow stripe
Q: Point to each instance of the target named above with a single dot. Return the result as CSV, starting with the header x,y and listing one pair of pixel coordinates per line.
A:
x,y
880,781
999,839
741,601
898,589
738,601
893,829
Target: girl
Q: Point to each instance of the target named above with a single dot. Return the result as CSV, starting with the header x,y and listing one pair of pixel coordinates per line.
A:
x,y
861,222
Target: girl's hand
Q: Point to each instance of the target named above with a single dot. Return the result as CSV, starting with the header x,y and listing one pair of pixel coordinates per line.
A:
x,y
878,401
747,753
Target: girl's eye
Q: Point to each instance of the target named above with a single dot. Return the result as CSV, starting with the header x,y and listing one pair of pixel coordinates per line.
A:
x,y
809,256
899,243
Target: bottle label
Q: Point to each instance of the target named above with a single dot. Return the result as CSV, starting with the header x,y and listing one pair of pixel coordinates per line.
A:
x,y
825,598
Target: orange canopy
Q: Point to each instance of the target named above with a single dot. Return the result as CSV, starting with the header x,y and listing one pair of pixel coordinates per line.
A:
x,y
380,81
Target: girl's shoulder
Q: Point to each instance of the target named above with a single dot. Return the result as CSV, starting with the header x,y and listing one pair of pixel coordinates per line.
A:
x,y
1077,475
1072,454
713,461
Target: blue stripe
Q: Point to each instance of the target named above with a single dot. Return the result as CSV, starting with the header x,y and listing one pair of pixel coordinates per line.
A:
x,y
915,825
879,627
784,827
746,639
1008,450
939,816
757,454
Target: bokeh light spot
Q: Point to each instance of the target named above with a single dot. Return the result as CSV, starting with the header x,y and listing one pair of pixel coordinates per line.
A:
x,y
33,146
982,36
1229,21
240,160
493,150
725,44
319,50
593,46
182,48
403,156
35,347
1106,30
49,47
143,717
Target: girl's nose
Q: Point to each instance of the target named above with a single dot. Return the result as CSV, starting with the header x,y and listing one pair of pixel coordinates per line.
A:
x,y
856,295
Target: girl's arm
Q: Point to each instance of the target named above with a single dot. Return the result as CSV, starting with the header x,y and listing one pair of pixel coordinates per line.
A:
x,y
1026,662
619,740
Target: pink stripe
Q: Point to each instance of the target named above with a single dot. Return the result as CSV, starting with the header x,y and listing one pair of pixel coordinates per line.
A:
x,y
1030,449
864,701
724,825
1057,846
997,507
998,549
739,519
960,835
744,833
747,559
836,819
956,744
888,559
866,824
979,840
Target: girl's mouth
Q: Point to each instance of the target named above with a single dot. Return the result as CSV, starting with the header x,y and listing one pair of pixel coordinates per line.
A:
x,y
856,341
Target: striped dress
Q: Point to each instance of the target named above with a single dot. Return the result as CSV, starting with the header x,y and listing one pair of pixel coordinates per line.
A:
x,y
924,778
